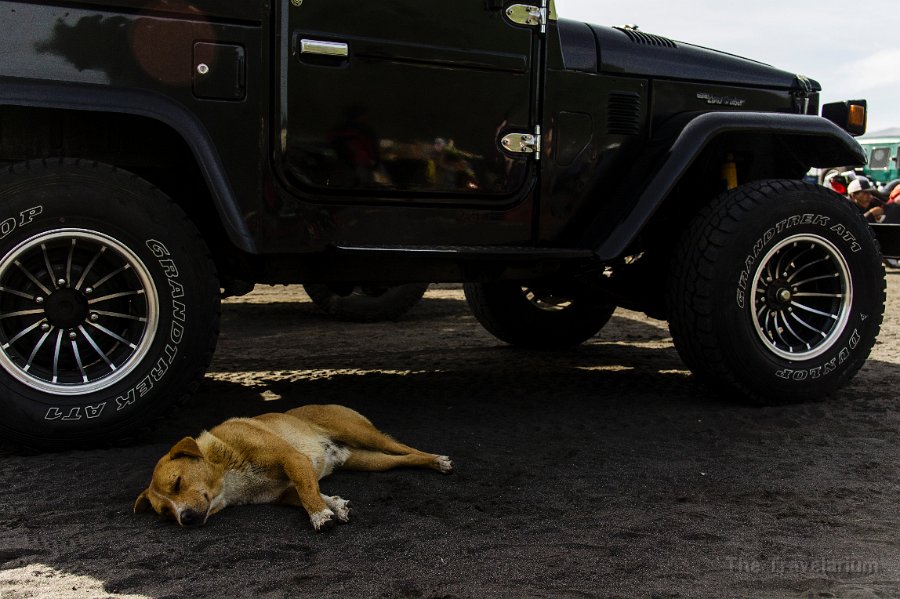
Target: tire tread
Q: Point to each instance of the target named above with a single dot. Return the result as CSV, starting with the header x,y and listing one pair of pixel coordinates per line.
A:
x,y
165,210
690,288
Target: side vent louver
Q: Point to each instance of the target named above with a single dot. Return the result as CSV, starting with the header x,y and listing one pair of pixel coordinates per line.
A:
x,y
647,39
624,113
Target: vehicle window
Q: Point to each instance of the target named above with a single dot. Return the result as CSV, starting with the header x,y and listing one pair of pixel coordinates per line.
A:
x,y
880,158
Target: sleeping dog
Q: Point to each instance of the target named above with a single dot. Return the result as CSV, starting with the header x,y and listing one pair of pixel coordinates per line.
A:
x,y
274,458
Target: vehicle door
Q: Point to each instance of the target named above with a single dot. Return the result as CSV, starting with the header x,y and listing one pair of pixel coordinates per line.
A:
x,y
405,101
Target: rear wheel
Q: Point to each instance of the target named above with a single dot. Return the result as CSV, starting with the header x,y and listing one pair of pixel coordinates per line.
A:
x,y
366,303
108,304
778,292
536,316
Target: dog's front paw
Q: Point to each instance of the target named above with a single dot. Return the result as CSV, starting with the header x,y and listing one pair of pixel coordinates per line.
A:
x,y
341,508
323,520
444,464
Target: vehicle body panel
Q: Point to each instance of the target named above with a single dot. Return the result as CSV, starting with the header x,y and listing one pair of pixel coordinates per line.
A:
x,y
412,113
630,51
110,60
398,143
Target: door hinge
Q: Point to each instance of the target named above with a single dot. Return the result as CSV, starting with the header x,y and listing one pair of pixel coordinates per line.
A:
x,y
523,143
529,15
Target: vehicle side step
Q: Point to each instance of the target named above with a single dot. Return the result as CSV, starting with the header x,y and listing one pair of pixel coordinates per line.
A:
x,y
469,252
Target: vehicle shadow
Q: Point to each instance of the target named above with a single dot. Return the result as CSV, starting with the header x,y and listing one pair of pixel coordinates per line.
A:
x,y
570,466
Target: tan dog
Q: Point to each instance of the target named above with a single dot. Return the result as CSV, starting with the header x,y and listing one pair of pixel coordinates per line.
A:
x,y
274,458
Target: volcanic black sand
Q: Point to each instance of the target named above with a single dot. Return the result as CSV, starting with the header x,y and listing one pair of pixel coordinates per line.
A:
x,y
600,472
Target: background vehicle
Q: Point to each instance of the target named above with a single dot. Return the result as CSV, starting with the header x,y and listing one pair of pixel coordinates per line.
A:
x,y
158,153
882,150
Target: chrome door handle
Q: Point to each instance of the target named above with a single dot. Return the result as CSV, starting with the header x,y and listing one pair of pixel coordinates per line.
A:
x,y
321,48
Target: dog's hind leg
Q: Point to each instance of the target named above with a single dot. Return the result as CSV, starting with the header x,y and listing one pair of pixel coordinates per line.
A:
x,y
357,432
350,428
377,461
371,446
354,430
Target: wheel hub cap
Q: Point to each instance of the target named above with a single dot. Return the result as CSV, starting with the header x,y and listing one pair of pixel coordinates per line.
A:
x,y
78,312
778,297
803,294
66,308
545,300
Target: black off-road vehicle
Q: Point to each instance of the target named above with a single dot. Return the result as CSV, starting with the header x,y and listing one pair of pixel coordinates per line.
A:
x,y
160,152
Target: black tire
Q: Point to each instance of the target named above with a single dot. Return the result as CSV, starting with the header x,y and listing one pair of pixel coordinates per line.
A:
x,y
109,309
798,336
367,303
535,317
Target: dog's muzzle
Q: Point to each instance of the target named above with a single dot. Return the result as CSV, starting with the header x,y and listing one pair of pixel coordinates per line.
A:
x,y
190,518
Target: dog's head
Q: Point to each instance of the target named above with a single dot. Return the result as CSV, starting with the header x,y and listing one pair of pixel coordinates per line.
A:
x,y
182,486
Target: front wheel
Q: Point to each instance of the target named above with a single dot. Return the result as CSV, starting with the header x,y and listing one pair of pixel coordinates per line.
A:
x,y
108,304
777,292
536,316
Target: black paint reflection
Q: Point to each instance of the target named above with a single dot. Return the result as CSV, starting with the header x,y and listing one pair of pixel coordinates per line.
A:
x,y
129,50
355,147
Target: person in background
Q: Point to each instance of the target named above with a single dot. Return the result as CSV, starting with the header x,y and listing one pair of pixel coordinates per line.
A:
x,y
838,182
862,193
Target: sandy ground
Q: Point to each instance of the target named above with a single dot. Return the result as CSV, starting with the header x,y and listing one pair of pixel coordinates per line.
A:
x,y
601,472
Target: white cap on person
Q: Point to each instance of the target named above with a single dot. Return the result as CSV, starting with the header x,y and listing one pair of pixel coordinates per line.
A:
x,y
860,184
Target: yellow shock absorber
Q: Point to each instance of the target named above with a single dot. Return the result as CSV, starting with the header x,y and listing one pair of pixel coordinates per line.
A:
x,y
729,172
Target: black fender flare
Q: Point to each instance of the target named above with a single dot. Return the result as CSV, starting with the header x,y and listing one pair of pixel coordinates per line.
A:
x,y
148,104
832,146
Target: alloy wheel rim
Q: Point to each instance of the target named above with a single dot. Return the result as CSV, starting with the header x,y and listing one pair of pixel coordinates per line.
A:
x,y
803,293
78,311
546,301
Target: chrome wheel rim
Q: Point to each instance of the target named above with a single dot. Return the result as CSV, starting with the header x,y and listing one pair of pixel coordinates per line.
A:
x,y
802,297
369,291
78,312
546,301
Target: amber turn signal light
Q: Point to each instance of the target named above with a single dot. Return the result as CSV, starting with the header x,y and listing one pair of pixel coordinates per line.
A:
x,y
851,116
857,116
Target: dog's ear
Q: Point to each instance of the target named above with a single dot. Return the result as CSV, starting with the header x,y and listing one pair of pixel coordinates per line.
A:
x,y
186,448
143,503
